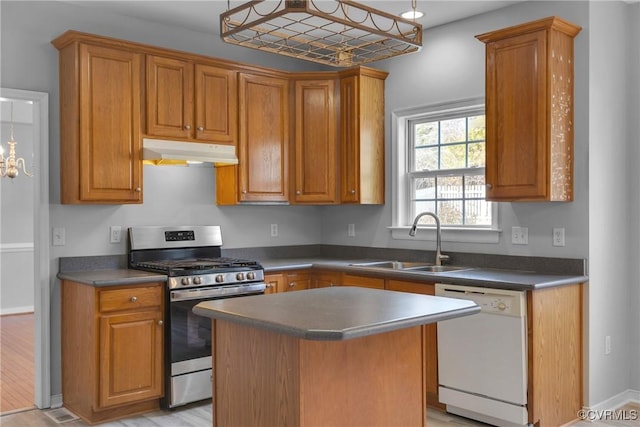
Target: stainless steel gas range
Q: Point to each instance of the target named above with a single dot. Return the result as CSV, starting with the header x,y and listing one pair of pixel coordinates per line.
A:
x,y
191,257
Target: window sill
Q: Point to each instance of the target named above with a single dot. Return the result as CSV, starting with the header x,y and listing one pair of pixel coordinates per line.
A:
x,y
449,234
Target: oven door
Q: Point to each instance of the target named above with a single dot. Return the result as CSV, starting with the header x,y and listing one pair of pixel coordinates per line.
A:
x,y
189,342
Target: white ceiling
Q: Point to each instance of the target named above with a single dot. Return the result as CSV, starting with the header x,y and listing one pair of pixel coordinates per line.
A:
x,y
203,15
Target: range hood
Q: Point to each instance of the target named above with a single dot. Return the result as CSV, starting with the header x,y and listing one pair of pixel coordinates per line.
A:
x,y
160,151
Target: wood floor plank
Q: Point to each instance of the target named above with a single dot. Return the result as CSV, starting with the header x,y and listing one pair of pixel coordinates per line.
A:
x,y
16,362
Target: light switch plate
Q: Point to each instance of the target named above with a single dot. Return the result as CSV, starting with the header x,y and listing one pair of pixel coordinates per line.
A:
x,y
58,236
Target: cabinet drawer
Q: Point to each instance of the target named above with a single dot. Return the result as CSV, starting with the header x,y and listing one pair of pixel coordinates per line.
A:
x,y
362,281
130,298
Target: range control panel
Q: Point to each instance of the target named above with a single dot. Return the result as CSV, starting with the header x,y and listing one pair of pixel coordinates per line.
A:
x,y
491,301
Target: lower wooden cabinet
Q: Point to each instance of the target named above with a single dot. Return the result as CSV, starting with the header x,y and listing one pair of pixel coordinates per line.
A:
x,y
288,281
430,338
112,349
326,279
362,281
274,282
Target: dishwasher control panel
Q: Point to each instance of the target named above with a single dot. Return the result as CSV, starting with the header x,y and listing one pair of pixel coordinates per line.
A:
x,y
491,301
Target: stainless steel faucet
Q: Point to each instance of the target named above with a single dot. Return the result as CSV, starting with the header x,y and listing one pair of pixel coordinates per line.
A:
x,y
439,256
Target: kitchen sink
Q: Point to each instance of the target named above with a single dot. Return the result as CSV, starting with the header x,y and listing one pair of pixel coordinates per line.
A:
x,y
409,266
393,265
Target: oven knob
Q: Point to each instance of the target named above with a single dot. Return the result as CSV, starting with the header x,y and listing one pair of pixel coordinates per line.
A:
x,y
240,276
219,278
197,280
185,281
251,275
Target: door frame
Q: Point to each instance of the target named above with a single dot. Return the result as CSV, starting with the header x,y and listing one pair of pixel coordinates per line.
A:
x,y
41,263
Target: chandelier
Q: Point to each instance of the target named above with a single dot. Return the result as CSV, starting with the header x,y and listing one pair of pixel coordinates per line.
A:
x,y
10,166
340,33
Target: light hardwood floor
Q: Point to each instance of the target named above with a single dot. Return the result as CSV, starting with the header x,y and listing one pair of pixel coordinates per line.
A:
x,y
16,362
199,415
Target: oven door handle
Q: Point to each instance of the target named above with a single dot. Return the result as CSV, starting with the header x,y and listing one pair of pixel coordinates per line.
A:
x,y
218,292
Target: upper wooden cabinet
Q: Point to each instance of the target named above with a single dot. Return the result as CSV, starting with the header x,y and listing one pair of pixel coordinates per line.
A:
x,y
100,115
529,110
362,136
191,101
315,160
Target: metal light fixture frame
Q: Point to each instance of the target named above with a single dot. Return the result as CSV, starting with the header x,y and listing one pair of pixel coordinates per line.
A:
x,y
339,33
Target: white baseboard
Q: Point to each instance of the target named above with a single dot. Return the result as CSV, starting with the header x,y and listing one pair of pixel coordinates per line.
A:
x,y
617,401
17,310
56,401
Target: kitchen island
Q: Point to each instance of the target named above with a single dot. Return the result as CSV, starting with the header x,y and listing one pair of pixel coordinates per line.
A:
x,y
340,356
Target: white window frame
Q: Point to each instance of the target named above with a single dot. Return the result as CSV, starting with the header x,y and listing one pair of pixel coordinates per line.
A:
x,y
400,185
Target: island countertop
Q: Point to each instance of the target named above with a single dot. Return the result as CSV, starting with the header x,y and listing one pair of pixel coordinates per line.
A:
x,y
336,313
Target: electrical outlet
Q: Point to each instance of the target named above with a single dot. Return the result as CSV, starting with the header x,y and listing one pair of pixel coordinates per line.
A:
x,y
115,233
351,230
607,344
58,236
558,236
520,235
274,230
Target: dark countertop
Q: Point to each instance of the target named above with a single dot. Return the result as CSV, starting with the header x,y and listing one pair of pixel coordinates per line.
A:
x,y
518,280
112,277
336,313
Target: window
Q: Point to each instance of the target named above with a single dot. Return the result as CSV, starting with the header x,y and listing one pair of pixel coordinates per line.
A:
x,y
440,159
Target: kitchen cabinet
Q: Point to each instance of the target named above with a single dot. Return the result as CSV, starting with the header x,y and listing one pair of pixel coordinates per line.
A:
x,y
263,149
529,111
362,281
315,161
112,349
325,279
191,101
296,281
362,136
100,122
430,338
274,281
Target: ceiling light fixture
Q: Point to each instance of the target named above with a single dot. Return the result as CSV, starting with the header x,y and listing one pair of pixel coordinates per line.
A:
x,y
340,33
10,166
413,13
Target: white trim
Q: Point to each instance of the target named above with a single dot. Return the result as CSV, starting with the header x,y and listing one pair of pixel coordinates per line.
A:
x,y
43,282
16,247
17,310
56,401
617,401
449,234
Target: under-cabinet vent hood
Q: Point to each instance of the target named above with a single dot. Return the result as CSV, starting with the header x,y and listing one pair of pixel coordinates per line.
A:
x,y
161,151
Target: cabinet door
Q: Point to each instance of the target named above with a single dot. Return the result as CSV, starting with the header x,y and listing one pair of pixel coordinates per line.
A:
x,y
216,98
362,281
264,139
362,139
350,140
169,97
110,143
130,358
325,279
296,281
430,333
315,142
274,282
516,154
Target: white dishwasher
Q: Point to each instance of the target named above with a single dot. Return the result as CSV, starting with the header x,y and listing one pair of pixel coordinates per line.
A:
x,y
482,359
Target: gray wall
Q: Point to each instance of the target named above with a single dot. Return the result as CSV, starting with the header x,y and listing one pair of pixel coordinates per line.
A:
x,y
450,67
612,214
16,214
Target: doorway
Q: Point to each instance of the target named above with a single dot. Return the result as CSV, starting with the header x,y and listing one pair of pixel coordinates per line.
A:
x,y
37,235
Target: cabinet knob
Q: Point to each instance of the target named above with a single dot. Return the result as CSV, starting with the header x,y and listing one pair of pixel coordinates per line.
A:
x,y
292,284
134,299
298,192
489,186
353,191
200,128
160,323
187,127
244,191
